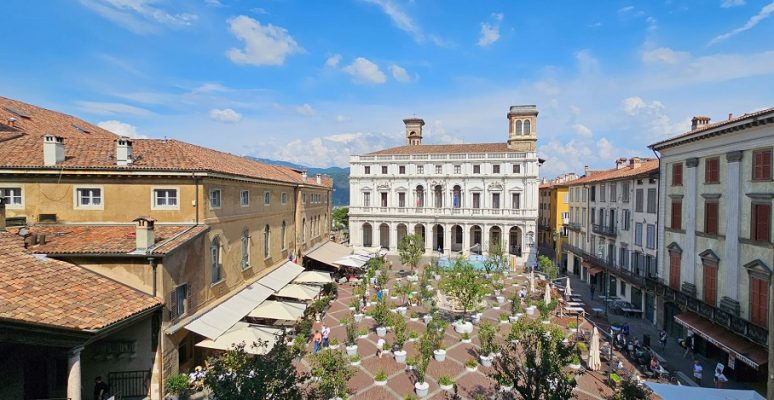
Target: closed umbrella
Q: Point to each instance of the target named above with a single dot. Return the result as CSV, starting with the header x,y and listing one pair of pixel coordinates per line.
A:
x,y
547,296
246,334
300,292
594,363
567,290
531,282
271,309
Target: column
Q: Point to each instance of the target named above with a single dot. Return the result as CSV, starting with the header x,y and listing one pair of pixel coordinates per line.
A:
x,y
447,239
466,239
393,237
74,373
729,266
688,274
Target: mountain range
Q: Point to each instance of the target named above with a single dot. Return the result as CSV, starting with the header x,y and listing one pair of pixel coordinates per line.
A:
x,y
340,177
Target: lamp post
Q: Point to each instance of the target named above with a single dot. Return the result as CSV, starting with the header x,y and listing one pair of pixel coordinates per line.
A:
x,y
531,241
600,255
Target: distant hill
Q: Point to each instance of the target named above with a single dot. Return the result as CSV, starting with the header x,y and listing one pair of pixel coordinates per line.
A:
x,y
340,177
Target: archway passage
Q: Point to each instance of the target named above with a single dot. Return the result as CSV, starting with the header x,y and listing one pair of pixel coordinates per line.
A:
x,y
367,235
495,236
514,239
420,230
456,238
384,236
475,239
438,238
402,232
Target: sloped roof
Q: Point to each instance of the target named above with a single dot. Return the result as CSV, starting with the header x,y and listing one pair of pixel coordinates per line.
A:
x,y
707,129
446,149
58,294
108,239
646,167
37,121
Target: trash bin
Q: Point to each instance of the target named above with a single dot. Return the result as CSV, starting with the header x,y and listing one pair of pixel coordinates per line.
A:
x,y
646,340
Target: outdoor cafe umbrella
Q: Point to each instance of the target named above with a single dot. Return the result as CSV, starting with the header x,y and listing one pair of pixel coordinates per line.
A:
x,y
547,297
567,290
593,362
531,282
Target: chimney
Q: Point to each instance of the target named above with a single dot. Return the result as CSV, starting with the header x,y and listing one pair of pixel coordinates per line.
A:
x,y
635,162
12,122
2,214
123,151
144,233
620,163
699,121
318,178
414,130
586,170
303,176
730,116
53,150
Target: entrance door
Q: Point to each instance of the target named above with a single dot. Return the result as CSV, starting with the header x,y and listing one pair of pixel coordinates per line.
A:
x,y
650,305
636,297
672,328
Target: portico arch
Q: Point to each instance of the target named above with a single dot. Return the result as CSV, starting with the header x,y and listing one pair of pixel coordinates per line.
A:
x,y
514,240
367,235
419,229
495,236
438,238
456,238
476,239
384,236
402,232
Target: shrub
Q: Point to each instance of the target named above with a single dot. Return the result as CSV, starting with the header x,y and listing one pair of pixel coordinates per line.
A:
x,y
486,333
465,336
304,327
445,380
178,384
471,363
356,358
503,317
380,376
331,289
381,314
582,348
351,327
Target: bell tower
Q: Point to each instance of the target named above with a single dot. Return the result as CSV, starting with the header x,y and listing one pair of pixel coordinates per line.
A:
x,y
522,128
414,130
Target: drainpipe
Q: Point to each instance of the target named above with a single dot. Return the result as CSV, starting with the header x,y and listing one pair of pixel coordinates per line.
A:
x,y
658,216
153,265
196,186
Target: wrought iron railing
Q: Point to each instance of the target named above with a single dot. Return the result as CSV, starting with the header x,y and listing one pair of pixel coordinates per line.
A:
x,y
607,230
574,226
129,384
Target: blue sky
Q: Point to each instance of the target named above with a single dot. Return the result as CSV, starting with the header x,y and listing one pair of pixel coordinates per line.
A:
x,y
315,81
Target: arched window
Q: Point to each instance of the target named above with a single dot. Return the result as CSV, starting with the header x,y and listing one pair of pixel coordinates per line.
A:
x,y
215,260
367,235
245,240
527,127
517,127
438,196
457,196
266,241
282,235
420,196
303,230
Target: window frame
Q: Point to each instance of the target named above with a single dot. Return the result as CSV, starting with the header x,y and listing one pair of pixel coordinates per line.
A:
x,y
77,197
284,198
266,197
495,168
709,285
267,242
385,170
756,316
438,169
652,201
676,214
716,206
155,197
766,173
712,176
366,170
210,204
401,170
215,262
11,205
244,243
420,169
638,233
516,168
650,236
677,174
495,205
476,169
754,221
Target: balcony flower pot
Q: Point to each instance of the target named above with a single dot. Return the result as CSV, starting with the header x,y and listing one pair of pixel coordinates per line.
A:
x,y
422,389
439,355
400,356
381,331
351,350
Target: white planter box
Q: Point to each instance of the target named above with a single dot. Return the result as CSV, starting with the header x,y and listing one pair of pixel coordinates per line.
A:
x,y
351,351
463,327
486,361
400,356
439,355
422,389
358,317
381,331
447,388
380,383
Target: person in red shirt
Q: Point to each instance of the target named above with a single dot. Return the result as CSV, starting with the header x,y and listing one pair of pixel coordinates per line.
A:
x,y
317,341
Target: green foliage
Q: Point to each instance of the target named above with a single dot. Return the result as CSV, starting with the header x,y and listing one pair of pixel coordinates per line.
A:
x,y
546,309
350,327
465,284
536,363
411,248
486,334
332,367
548,267
424,354
403,288
331,290
399,330
515,304
435,331
380,376
340,217
628,389
471,363
445,380
496,260
581,347
178,384
237,375
304,327
381,313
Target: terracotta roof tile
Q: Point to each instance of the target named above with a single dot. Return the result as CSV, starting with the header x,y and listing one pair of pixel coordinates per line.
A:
x,y
59,294
36,121
446,148
705,128
108,239
646,167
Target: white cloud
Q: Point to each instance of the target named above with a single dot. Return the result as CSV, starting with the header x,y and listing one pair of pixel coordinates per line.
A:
x,y
306,110
399,73
587,63
764,13
226,115
121,128
108,108
342,118
138,16
363,70
490,31
264,44
650,117
403,21
213,3
333,61
652,23
605,149
582,130
334,149
731,3
664,55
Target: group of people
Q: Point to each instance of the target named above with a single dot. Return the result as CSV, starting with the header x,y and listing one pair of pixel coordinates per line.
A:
x,y
196,378
321,338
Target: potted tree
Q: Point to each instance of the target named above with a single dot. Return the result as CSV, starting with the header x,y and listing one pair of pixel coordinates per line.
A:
x,y
515,308
381,316
351,329
422,361
355,360
465,338
399,329
435,333
471,365
486,334
446,383
411,248
178,387
467,286
380,379
334,371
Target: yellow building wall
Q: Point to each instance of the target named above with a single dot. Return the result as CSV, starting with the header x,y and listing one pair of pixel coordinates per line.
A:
x,y
559,205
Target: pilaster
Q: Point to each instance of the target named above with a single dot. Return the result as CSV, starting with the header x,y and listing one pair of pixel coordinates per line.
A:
x,y
729,265
74,381
689,222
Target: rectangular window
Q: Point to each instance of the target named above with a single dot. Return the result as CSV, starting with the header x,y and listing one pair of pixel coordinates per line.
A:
x,y
178,301
383,199
266,198
677,214
515,201
759,300
712,170
476,169
457,169
366,199
593,193
593,215
652,201
438,169
638,200
761,222
625,192
401,199
613,193
303,198
215,198
623,289
710,285
420,169
762,165
516,168
89,197
164,198
651,237
677,174
626,219
602,190
367,170
402,170
11,196
495,169
638,233
674,271
711,217
384,170
476,200
284,198
215,261
244,198
623,257
495,200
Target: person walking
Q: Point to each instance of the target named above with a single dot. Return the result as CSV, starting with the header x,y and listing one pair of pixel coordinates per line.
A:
x,y
317,341
100,389
697,372
662,338
689,343
326,333
380,347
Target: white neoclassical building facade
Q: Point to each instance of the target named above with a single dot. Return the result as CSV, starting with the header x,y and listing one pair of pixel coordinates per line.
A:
x,y
459,197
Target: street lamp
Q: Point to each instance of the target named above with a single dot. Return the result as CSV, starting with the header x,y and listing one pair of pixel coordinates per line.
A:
x,y
600,255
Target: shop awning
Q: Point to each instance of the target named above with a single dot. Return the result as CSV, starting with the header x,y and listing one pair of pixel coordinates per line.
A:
x,y
737,346
248,334
314,277
350,261
271,309
594,270
218,320
679,392
281,276
329,253
300,292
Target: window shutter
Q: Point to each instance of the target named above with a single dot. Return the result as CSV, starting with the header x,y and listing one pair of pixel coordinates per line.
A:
x,y
173,304
188,298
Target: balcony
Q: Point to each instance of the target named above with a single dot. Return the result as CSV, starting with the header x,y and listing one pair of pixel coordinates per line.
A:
x,y
574,226
610,231
444,211
625,273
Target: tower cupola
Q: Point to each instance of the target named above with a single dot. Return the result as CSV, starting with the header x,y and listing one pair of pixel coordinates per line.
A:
x,y
414,130
522,128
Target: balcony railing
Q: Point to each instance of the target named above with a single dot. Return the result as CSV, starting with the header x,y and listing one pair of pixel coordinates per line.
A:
x,y
625,273
574,226
442,211
606,230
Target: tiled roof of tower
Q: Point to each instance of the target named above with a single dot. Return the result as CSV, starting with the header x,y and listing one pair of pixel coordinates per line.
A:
x,y
58,294
446,148
37,121
710,127
108,239
647,166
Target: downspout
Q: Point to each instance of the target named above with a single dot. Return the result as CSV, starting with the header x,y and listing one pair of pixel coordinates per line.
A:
x,y
153,265
658,216
196,185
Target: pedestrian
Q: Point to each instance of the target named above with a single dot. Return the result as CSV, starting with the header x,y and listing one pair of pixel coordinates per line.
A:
x,y
380,347
625,329
593,289
100,389
379,294
720,378
317,341
662,338
688,343
697,371
326,333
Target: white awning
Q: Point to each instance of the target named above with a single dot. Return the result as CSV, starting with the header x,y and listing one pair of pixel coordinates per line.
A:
x,y
271,309
215,322
678,392
315,277
281,276
350,261
248,334
300,292
329,252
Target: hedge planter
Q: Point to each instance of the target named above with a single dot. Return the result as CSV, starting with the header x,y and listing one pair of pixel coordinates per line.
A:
x,y
439,355
381,331
462,327
422,389
486,360
351,350
501,299
400,356
358,317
